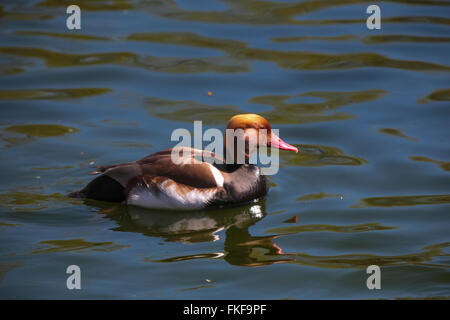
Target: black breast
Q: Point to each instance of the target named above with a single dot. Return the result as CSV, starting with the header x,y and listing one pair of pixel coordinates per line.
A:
x,y
245,184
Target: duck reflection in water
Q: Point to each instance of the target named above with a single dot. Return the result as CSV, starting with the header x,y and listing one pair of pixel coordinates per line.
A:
x,y
240,247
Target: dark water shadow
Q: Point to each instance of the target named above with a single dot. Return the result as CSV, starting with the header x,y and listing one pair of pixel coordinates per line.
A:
x,y
71,36
237,57
41,130
77,245
124,58
397,133
371,40
294,60
6,266
395,201
283,111
248,12
318,196
357,261
32,198
15,135
243,249
51,94
437,95
364,227
444,165
240,247
183,226
199,226
318,156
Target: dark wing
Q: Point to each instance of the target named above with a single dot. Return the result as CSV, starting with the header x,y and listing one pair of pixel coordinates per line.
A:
x,y
117,180
191,169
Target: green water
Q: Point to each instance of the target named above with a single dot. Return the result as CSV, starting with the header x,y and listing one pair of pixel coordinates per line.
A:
x,y
369,111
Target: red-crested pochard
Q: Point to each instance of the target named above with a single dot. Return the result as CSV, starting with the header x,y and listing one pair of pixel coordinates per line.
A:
x,y
156,181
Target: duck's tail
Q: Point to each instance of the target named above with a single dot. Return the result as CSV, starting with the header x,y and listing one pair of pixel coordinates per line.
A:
x,y
102,188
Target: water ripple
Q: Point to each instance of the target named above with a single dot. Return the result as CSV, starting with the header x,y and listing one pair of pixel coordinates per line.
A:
x,y
393,201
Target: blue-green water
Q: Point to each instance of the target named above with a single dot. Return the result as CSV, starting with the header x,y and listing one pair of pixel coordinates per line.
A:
x,y
369,108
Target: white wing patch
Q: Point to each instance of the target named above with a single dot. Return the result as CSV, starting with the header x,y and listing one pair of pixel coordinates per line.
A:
x,y
217,175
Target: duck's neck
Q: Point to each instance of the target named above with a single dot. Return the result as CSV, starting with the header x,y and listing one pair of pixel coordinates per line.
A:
x,y
231,157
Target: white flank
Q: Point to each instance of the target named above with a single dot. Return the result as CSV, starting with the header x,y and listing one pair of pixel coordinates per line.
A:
x,y
169,198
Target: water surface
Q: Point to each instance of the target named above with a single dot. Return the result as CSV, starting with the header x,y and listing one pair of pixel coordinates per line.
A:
x,y
369,111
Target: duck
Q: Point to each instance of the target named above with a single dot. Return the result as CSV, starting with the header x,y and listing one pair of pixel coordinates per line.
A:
x,y
202,179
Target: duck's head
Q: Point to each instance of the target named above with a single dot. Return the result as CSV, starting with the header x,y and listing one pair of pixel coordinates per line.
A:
x,y
253,131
